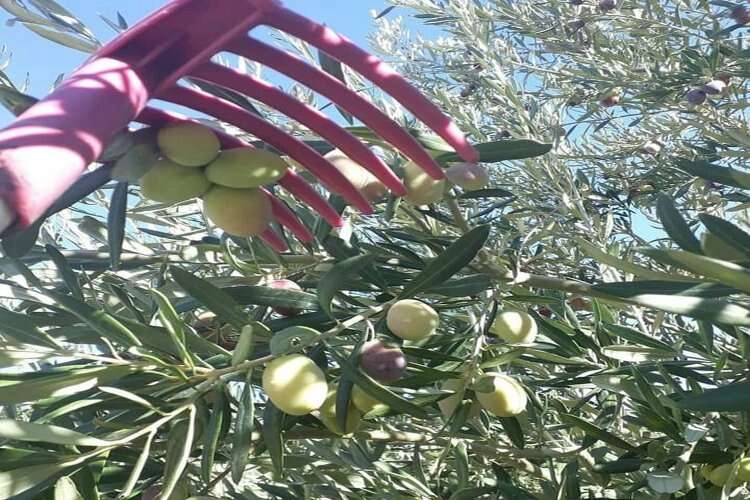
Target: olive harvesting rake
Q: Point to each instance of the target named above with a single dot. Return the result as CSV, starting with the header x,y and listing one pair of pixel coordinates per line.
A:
x,y
47,148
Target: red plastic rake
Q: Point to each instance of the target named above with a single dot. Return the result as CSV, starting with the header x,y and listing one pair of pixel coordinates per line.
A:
x,y
47,148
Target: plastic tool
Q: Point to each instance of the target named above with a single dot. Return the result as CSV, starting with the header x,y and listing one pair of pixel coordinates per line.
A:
x,y
45,150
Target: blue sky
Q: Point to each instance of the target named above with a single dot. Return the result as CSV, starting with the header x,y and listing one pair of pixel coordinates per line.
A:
x,y
43,61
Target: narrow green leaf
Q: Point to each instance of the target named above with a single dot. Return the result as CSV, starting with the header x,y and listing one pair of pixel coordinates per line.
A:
x,y
570,486
331,282
623,265
116,218
486,193
513,428
21,328
595,432
621,466
179,446
243,430
728,232
716,311
731,397
272,297
19,243
344,389
635,336
138,466
452,260
506,149
173,325
273,420
675,225
716,173
727,273
60,385
244,346
104,323
636,353
17,481
66,272
26,431
684,288
463,287
211,437
214,298
649,395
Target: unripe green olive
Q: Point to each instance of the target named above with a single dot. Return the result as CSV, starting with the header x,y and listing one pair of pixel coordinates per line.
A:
x,y
189,144
411,319
246,168
515,327
469,176
168,182
327,415
295,384
720,475
361,178
421,189
743,473
364,402
507,399
241,212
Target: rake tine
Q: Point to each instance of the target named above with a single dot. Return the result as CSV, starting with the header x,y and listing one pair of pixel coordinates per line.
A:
x,y
331,88
375,70
274,240
58,137
253,124
295,184
306,115
291,181
163,57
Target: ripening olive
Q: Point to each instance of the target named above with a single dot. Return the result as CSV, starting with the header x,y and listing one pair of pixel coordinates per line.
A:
x,y
411,319
515,327
361,178
507,397
421,189
188,144
240,212
246,168
168,182
381,362
295,384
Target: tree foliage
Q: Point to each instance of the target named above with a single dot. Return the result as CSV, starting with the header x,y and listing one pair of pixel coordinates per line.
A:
x,y
135,334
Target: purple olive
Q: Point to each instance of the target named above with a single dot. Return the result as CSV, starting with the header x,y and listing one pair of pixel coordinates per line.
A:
x,y
284,284
577,25
696,96
382,362
606,5
740,14
576,2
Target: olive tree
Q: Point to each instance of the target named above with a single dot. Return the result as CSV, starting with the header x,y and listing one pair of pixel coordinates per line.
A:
x,y
533,337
